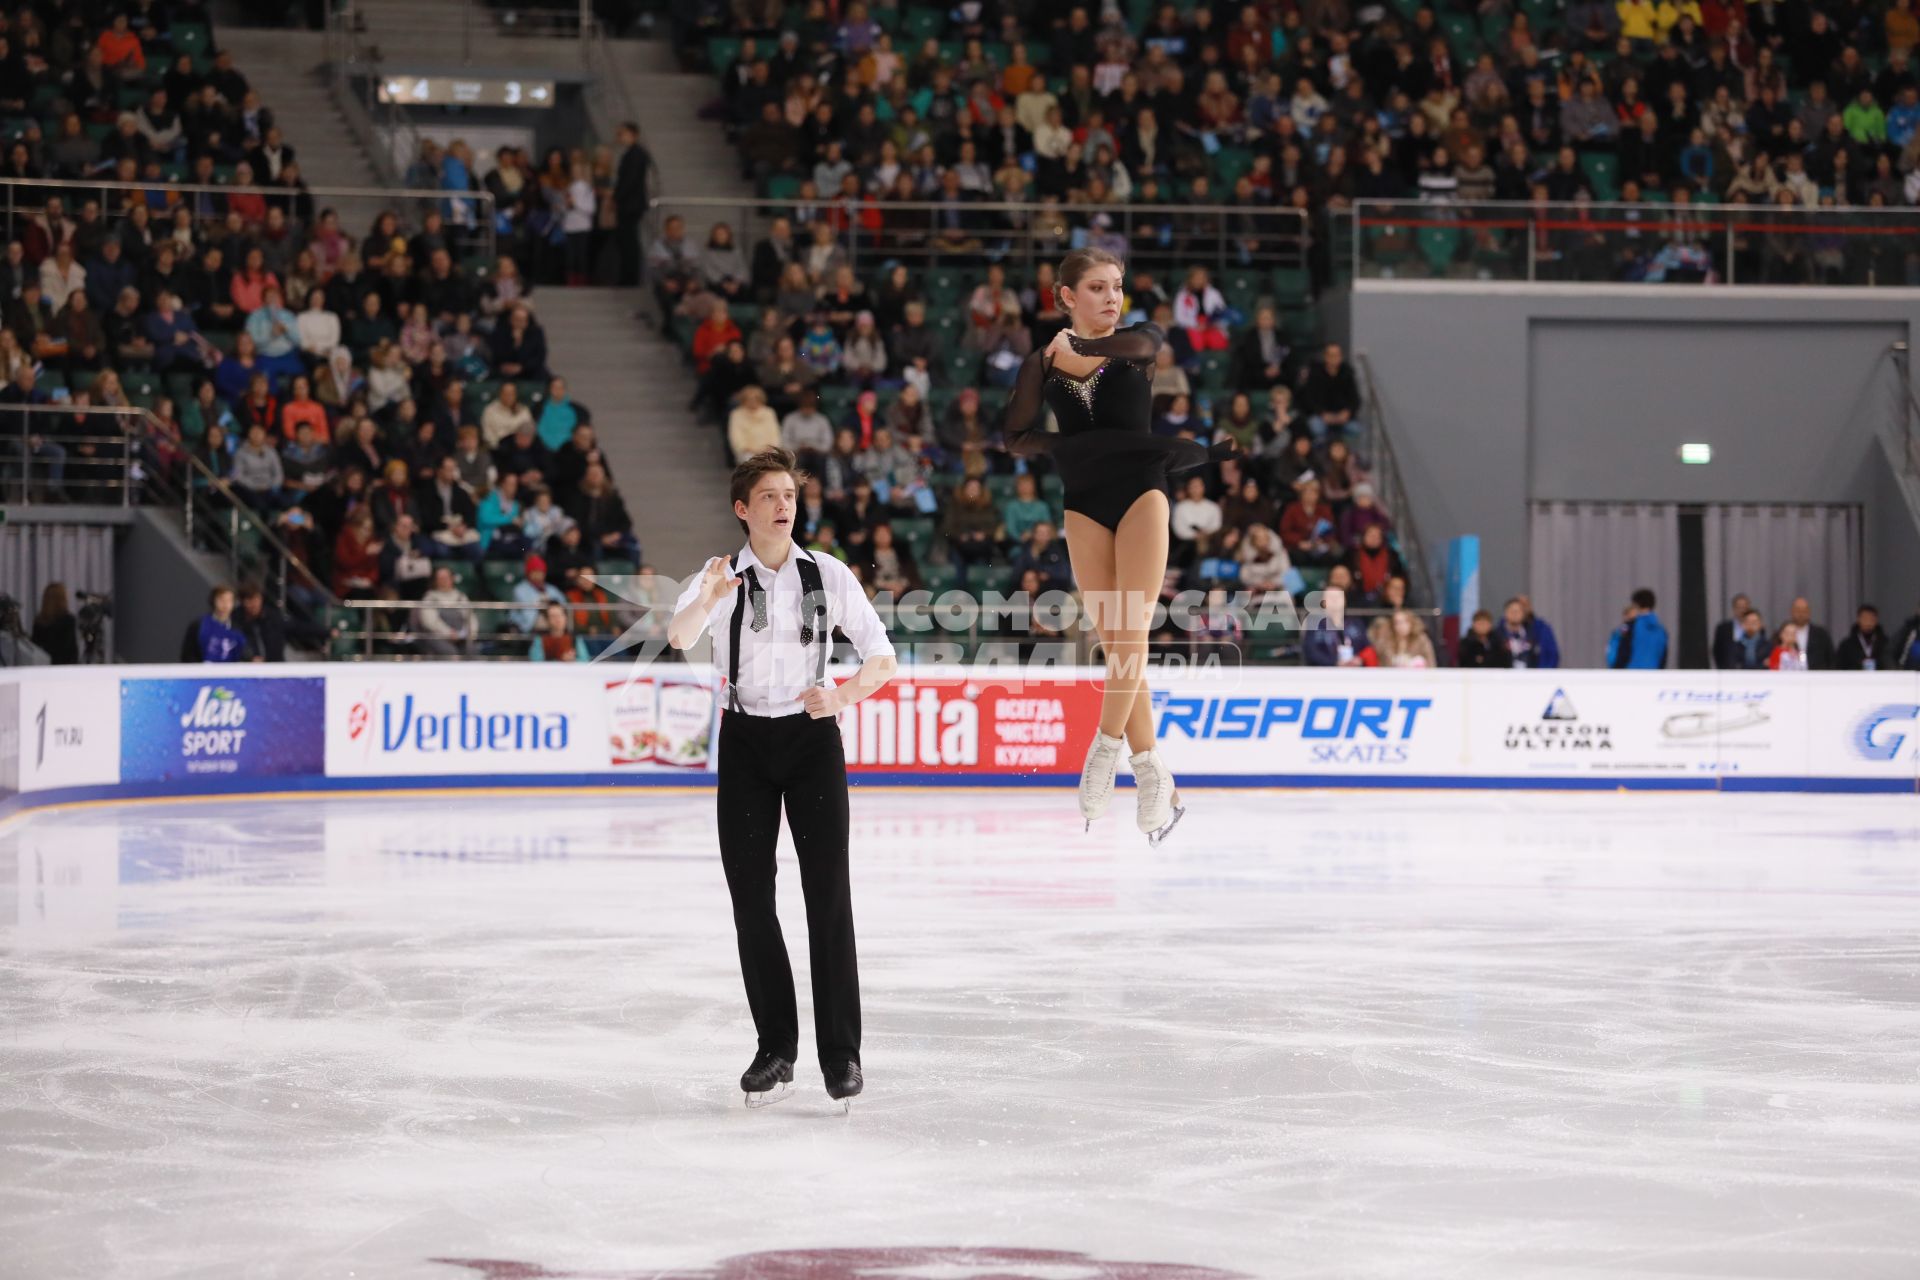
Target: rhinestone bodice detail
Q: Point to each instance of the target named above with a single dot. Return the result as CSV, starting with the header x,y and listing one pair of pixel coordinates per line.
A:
x,y
1116,396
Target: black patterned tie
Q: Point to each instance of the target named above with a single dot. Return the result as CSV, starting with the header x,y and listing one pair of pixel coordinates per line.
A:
x,y
759,600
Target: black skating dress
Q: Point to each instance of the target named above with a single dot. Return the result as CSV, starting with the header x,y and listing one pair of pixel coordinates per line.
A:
x,y
1105,449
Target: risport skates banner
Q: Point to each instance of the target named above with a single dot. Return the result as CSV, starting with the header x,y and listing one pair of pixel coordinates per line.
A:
x,y
213,727
1263,722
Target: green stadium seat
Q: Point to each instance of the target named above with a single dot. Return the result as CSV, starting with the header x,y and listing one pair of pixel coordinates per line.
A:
x,y
500,577
1292,286
963,367
1213,370
1439,245
721,52
1242,291
192,38
918,533
1463,36
837,401
1602,172
1546,16
938,578
1228,164
922,25
466,576
616,568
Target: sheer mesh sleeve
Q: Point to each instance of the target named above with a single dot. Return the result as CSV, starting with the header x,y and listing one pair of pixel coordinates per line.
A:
x,y
1021,427
1136,342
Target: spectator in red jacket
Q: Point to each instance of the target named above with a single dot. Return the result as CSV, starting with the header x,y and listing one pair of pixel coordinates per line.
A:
x,y
713,335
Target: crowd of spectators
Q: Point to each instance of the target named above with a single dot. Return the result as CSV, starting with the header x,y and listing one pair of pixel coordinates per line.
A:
x,y
1263,105
878,343
378,399
1743,641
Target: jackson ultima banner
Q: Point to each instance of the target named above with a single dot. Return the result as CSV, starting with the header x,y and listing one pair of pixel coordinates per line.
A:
x,y
87,731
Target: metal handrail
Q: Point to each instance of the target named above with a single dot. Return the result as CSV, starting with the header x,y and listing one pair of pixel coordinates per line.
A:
x,y
1652,217
127,462
238,511
1387,467
346,51
906,638
319,195
369,634
1052,222
1064,211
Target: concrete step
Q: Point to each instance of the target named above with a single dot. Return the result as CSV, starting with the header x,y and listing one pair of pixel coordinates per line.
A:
x,y
670,469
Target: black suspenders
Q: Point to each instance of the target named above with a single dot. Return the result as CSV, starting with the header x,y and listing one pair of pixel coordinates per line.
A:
x,y
813,620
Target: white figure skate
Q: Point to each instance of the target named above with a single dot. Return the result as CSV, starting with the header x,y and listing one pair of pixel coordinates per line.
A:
x,y
1096,776
1158,798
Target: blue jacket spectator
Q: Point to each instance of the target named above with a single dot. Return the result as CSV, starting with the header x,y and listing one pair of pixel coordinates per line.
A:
x,y
174,335
1323,646
1639,643
1530,640
220,640
108,273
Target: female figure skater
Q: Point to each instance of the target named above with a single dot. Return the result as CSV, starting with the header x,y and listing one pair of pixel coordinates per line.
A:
x,y
1114,469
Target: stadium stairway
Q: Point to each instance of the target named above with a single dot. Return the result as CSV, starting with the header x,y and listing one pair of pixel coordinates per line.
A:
x,y
289,69
693,155
670,470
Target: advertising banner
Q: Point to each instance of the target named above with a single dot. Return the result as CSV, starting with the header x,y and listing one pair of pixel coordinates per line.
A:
x,y
445,722
953,725
69,733
662,722
1863,727
9,738
399,721
1637,724
175,730
1264,722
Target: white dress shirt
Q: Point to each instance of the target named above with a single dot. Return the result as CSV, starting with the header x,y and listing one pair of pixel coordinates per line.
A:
x,y
776,670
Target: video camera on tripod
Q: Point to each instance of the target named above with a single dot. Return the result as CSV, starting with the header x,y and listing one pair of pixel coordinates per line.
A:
x,y
90,620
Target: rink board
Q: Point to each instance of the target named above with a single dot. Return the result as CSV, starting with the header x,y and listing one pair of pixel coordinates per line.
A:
x,y
85,733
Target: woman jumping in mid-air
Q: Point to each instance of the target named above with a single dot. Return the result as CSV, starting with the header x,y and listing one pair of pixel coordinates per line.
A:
x,y
1099,384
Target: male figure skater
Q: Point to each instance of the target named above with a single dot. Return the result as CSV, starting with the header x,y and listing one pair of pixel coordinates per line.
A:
x,y
773,608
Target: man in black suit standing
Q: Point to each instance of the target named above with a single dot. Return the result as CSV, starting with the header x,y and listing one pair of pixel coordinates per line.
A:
x,y
1815,640
1727,649
630,197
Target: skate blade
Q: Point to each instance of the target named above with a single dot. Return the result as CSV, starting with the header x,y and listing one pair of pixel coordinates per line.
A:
x,y
757,1100
1154,839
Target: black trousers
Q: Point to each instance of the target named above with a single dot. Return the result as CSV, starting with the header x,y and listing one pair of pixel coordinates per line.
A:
x,y
798,761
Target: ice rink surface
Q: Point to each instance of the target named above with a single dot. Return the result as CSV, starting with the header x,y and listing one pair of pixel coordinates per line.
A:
x,y
1318,1034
